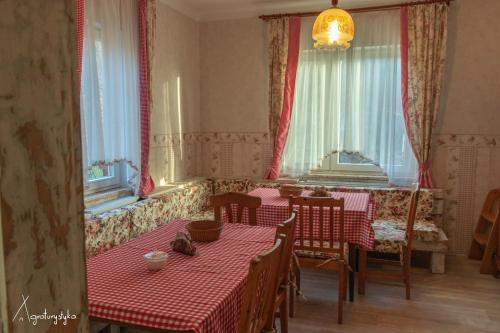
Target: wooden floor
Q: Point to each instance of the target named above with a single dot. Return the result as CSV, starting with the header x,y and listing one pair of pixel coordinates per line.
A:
x,y
461,300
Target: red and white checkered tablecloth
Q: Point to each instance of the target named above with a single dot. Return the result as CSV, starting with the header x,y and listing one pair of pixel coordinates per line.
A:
x,y
200,294
358,215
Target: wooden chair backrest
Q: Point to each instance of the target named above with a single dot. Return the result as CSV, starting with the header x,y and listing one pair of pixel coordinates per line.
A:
x,y
241,200
286,228
330,217
412,211
492,202
261,289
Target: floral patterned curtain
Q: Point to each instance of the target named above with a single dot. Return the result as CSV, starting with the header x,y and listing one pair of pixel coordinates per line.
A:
x,y
278,56
280,118
423,42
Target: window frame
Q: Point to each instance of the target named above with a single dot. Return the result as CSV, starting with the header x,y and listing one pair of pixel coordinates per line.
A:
x,y
116,181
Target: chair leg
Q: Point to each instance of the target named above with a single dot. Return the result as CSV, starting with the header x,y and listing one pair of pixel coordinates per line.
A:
x,y
297,280
352,272
406,274
362,266
292,301
295,285
284,313
342,293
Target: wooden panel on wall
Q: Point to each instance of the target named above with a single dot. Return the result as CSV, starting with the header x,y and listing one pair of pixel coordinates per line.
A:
x,y
41,190
464,165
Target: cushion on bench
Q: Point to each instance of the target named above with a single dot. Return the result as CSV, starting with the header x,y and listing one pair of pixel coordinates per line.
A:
x,y
207,214
230,185
117,226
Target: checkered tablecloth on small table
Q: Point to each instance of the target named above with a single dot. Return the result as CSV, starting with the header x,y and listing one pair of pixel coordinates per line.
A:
x,y
199,294
358,215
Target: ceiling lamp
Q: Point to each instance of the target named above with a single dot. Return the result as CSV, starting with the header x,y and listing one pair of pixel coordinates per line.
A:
x,y
333,28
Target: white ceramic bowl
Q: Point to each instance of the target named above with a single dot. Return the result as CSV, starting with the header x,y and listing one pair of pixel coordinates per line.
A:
x,y
155,260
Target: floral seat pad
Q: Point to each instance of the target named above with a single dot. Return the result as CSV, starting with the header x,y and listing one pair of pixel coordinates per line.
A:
x,y
390,234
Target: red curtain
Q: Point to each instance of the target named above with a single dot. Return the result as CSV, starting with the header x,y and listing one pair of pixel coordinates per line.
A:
x,y
79,10
146,184
288,95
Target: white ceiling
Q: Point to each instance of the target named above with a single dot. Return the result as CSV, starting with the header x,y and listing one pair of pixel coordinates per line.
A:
x,y
208,10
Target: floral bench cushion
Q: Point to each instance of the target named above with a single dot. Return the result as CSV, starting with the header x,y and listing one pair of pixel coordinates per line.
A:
x,y
114,227
392,203
207,214
230,185
390,234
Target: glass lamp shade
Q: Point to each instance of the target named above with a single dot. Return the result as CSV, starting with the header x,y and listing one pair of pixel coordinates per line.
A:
x,y
333,28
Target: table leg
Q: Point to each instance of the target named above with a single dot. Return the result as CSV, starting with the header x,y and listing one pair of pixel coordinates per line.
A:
x,y
362,266
114,329
352,272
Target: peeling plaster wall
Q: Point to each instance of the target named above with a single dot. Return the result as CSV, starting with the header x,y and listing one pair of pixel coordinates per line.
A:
x,y
40,164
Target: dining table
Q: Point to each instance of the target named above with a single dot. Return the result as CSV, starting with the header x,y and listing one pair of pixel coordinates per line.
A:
x,y
358,219
201,293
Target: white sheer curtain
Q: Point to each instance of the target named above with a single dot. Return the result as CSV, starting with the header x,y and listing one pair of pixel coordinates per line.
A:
x,y
110,85
351,101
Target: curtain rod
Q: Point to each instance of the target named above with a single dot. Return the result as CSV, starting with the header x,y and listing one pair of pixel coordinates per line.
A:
x,y
358,10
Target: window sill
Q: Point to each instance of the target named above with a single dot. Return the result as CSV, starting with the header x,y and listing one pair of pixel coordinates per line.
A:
x,y
97,198
159,190
100,202
348,179
110,205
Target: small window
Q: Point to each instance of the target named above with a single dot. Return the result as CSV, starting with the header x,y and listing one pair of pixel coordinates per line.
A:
x,y
347,164
106,177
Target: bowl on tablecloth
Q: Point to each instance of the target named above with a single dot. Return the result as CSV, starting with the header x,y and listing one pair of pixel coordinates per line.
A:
x,y
155,260
205,230
287,190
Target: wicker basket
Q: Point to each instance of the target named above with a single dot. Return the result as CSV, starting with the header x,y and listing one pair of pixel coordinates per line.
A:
x,y
290,190
205,230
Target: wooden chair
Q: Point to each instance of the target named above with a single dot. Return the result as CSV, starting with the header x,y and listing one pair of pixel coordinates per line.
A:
x,y
241,200
404,239
485,240
261,290
321,249
286,228
496,255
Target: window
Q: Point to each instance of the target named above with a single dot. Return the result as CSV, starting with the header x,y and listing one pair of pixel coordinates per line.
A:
x,y
110,95
347,116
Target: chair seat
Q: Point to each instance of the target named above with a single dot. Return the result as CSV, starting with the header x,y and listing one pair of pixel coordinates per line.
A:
x,y
388,239
317,254
390,234
423,230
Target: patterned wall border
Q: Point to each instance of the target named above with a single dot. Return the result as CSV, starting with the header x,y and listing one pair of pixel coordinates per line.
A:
x,y
206,137
467,140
